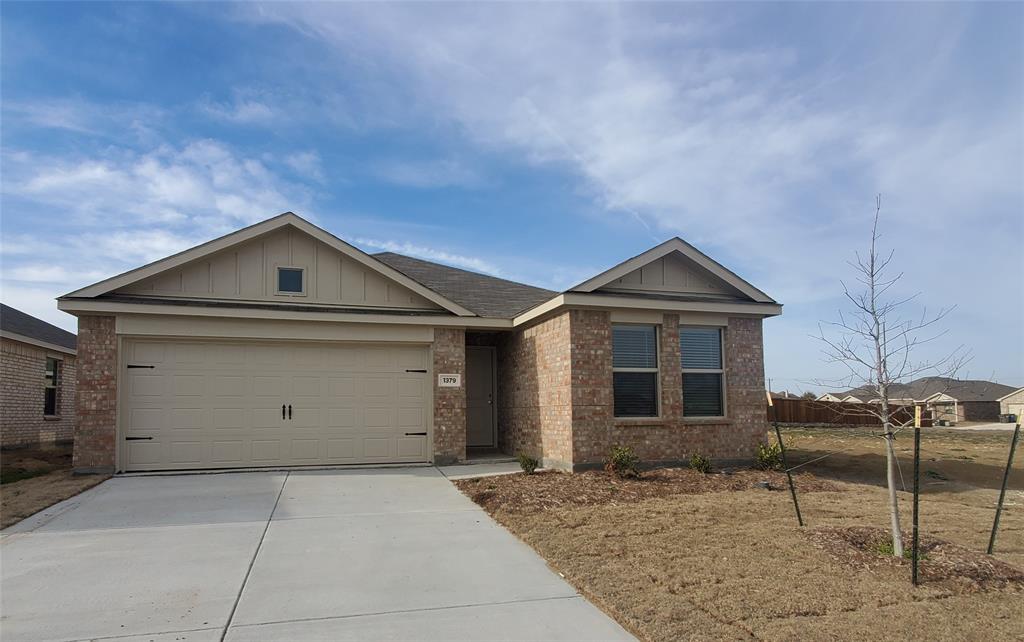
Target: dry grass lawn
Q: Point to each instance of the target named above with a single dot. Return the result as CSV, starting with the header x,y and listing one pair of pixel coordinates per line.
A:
x,y
34,479
720,560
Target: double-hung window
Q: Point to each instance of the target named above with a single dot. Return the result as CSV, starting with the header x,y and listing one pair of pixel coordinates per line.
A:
x,y
635,370
50,386
700,352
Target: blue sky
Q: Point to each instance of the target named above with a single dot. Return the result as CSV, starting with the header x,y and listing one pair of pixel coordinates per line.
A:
x,y
541,143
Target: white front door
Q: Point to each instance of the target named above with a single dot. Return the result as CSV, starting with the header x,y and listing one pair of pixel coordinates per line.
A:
x,y
480,411
198,404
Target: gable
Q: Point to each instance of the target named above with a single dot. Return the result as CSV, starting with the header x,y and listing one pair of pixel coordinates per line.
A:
x,y
247,271
672,273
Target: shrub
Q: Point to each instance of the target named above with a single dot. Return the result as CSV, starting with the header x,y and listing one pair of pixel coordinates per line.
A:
x,y
622,461
769,457
700,463
527,463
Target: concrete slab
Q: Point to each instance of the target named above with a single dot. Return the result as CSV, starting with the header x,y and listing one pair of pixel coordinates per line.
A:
x,y
147,502
570,618
468,471
339,566
99,583
355,492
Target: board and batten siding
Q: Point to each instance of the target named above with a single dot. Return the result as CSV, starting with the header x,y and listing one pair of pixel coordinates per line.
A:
x,y
248,272
672,273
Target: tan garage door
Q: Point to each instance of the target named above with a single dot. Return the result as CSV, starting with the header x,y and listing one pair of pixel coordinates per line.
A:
x,y
229,405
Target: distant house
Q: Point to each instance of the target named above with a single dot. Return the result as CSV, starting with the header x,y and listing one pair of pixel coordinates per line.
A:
x,y
785,394
953,400
852,399
37,380
1012,403
828,396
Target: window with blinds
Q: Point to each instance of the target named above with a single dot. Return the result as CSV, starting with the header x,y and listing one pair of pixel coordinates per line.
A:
x,y
700,354
635,370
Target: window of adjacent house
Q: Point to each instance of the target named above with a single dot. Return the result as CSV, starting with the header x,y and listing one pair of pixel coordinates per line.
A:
x,y
635,370
700,352
50,387
290,281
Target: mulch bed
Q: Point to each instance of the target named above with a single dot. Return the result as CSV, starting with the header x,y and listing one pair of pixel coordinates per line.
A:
x,y
552,490
941,563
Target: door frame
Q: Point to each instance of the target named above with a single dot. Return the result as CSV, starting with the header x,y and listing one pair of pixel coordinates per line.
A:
x,y
494,395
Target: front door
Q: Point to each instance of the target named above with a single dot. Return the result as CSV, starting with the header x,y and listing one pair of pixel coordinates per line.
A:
x,y
480,415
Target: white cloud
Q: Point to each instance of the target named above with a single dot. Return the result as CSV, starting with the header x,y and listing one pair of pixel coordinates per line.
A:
x,y
307,164
472,263
241,111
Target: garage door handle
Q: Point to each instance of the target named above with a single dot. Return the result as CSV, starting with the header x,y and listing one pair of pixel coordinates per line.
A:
x,y
136,438
423,371
409,434
282,411
132,365
289,411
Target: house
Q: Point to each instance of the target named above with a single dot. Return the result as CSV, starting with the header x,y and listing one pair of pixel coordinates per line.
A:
x,y
828,396
37,380
944,398
851,399
282,345
1012,403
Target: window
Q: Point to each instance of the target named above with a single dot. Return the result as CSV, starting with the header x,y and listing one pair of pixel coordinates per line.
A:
x,y
50,406
635,370
291,280
700,353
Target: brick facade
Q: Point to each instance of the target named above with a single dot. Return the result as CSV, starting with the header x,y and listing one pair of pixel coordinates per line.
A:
x,y
556,399
22,382
535,392
449,403
96,395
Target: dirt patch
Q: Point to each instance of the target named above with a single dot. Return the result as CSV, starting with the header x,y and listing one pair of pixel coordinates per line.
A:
x,y
35,479
940,562
554,490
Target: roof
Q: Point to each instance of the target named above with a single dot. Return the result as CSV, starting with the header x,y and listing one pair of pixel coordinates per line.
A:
x,y
17,322
920,389
487,296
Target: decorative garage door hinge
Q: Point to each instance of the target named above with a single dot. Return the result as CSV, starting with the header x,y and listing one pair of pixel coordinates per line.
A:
x,y
136,438
135,366
408,434
423,371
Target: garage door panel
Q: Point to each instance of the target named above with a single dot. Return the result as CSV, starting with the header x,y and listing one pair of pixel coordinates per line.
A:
x,y
220,404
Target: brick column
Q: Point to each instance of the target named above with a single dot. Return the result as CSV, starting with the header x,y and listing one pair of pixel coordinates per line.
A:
x,y
744,372
671,371
449,403
593,407
96,396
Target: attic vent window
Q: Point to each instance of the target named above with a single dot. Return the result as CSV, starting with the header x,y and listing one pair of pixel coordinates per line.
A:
x,y
291,280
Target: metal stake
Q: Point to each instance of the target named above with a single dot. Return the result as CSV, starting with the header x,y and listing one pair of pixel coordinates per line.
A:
x,y
915,548
789,476
1002,491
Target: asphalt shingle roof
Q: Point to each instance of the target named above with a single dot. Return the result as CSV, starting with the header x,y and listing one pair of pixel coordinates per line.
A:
x,y
959,389
17,322
484,295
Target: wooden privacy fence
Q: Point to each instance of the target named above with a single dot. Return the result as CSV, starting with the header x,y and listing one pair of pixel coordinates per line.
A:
x,y
809,411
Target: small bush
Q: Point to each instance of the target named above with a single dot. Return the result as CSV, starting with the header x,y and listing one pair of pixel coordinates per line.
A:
x,y
700,463
527,463
769,457
622,461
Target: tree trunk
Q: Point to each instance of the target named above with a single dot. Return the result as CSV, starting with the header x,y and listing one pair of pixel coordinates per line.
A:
x,y
894,507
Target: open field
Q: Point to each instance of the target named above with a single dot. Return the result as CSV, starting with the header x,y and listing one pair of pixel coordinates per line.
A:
x,y
34,479
718,559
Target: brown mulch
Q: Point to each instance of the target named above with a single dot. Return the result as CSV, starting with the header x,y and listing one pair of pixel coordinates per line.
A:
x,y
941,563
553,490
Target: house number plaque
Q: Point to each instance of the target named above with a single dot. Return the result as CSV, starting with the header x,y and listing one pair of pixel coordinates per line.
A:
x,y
449,380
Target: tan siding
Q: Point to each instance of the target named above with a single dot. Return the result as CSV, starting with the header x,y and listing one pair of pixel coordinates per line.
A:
x,y
249,272
672,273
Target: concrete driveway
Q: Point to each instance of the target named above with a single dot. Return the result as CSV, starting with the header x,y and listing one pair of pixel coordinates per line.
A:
x,y
381,554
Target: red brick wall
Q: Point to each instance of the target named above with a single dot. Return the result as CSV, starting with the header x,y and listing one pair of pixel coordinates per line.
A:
x,y
449,403
535,393
539,416
96,395
22,380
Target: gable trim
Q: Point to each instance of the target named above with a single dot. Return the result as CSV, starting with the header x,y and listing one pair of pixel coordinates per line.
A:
x,y
597,300
39,343
251,232
668,247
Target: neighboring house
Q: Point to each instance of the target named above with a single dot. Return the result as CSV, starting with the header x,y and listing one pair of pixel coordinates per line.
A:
x,y
851,399
281,344
785,394
37,380
1012,404
953,400
828,396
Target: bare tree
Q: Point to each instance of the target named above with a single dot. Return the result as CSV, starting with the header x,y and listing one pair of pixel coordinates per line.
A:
x,y
876,342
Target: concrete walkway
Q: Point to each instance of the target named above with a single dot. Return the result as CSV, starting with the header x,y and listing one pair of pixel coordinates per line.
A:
x,y
376,554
